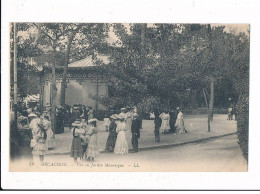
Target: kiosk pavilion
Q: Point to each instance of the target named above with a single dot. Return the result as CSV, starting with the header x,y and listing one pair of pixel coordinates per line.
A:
x,y
83,81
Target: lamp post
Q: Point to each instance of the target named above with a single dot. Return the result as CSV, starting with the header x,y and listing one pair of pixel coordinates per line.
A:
x,y
15,76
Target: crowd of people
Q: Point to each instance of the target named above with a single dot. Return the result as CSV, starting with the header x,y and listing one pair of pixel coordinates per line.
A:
x,y
168,122
42,135
84,143
83,126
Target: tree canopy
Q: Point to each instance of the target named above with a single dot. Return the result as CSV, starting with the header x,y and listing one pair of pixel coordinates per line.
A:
x,y
158,64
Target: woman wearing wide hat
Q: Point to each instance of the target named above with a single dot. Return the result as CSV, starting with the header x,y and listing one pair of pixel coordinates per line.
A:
x,y
111,140
92,150
76,147
180,122
121,146
47,126
165,122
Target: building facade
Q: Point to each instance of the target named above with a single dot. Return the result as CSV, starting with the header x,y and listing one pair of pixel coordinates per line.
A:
x,y
83,81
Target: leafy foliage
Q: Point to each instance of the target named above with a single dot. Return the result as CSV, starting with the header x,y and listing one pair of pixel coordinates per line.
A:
x,y
159,66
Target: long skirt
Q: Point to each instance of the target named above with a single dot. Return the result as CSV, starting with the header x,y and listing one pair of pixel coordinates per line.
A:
x,y
50,139
59,126
76,148
40,149
92,150
128,124
121,146
111,142
165,126
180,126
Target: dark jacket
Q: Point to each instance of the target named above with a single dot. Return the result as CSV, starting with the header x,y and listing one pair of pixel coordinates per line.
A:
x,y
135,128
112,128
157,122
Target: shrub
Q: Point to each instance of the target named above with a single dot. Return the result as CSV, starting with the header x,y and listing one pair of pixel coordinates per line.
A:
x,y
242,123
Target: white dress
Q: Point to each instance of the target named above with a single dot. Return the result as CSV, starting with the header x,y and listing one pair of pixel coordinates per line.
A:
x,y
106,122
180,123
34,126
121,146
123,115
50,136
128,121
165,122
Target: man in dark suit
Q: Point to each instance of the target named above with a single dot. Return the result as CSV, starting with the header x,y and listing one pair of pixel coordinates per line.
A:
x,y
135,129
173,117
157,125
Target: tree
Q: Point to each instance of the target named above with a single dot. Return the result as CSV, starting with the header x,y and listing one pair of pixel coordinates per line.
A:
x,y
94,34
70,38
27,80
49,38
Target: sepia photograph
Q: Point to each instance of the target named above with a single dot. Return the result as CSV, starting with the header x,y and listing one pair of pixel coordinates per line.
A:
x,y
129,97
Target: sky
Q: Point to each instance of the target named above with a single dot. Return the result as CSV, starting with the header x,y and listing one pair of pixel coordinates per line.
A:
x,y
235,28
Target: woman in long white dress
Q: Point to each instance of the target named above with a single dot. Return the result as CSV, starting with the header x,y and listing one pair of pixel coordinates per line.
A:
x,y
50,136
121,146
92,150
128,121
165,122
180,123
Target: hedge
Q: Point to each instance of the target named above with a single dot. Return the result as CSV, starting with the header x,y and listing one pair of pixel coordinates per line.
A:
x,y
243,123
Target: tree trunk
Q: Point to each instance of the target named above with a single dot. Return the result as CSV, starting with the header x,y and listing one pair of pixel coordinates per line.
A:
x,y
15,76
41,92
211,101
53,98
206,102
97,91
65,69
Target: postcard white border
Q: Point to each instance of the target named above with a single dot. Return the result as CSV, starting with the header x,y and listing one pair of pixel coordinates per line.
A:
x,y
132,11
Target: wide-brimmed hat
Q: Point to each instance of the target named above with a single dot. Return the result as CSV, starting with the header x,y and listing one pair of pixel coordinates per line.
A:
x,y
121,117
21,118
76,123
32,115
92,120
59,106
135,115
78,120
114,116
122,109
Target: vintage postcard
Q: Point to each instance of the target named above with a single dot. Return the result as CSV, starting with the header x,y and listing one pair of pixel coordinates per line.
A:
x,y
129,97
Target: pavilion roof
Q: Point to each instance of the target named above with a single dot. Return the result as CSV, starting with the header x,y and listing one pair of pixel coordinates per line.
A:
x,y
89,62
86,62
